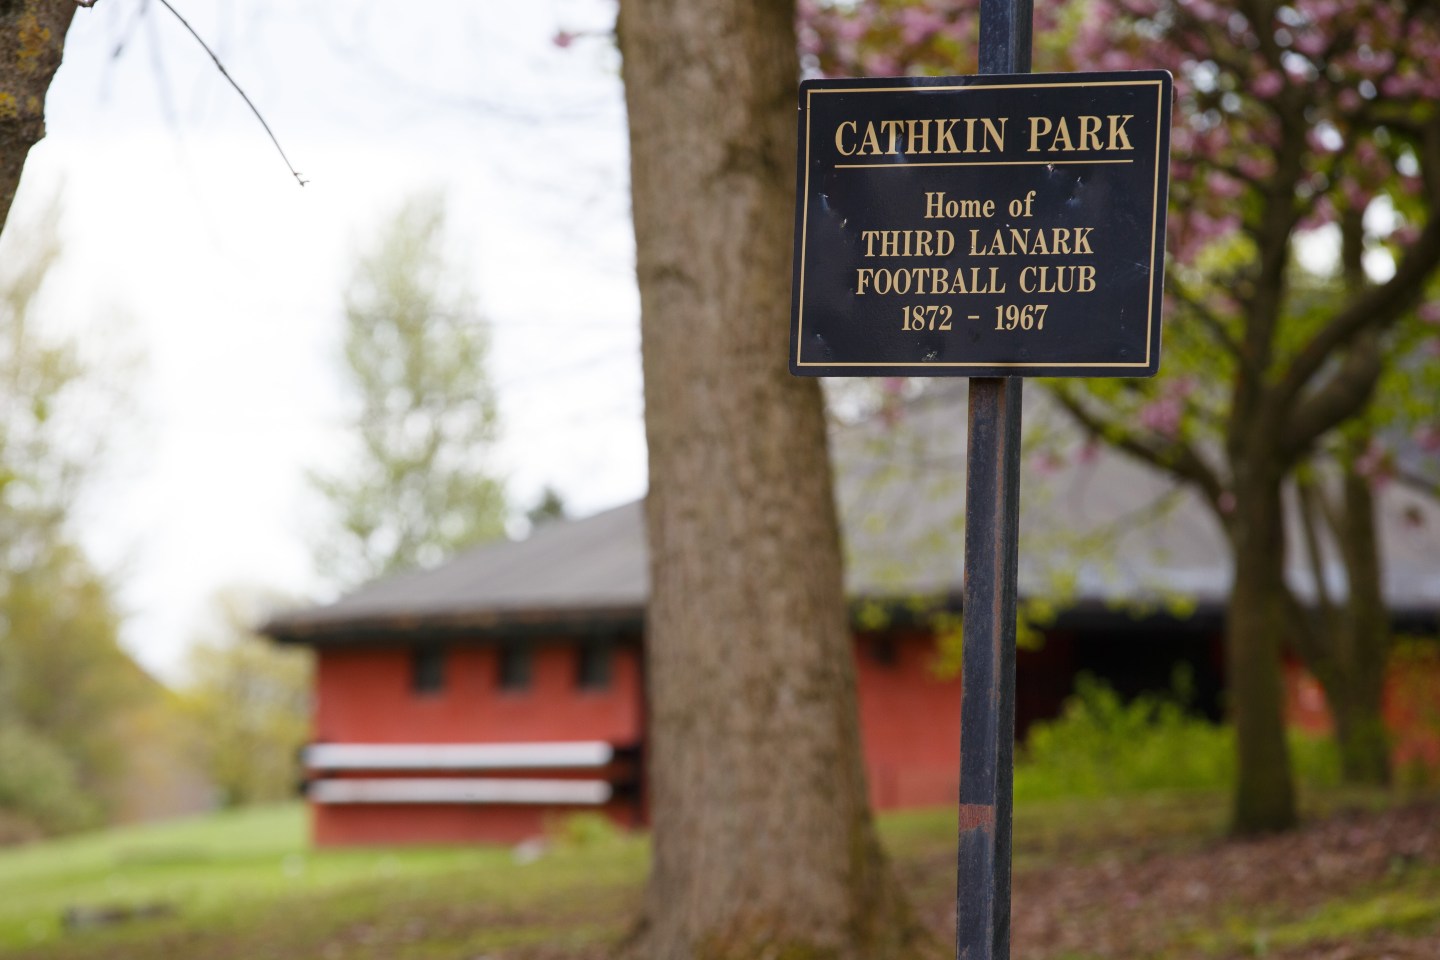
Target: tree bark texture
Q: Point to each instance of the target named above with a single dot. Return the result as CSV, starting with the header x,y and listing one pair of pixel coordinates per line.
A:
x,y
763,841
32,35
1257,625
1353,672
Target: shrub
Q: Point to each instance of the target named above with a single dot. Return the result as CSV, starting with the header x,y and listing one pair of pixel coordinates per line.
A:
x,y
1102,744
39,790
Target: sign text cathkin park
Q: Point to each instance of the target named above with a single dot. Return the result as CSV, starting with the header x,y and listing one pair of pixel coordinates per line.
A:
x,y
981,226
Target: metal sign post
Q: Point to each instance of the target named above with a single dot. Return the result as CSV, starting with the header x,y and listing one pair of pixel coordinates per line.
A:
x,y
992,555
994,227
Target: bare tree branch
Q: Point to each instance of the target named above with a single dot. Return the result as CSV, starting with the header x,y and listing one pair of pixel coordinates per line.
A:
x,y
1175,457
1382,305
1345,392
1309,636
226,74
1310,513
1206,316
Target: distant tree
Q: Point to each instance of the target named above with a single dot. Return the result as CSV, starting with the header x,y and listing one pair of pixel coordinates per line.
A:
x,y
248,701
32,35
549,507
64,679
422,483
763,841
1311,118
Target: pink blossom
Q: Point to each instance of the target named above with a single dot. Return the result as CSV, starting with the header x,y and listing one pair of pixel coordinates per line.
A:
x,y
881,65
1255,166
1048,463
1205,10
1162,416
852,29
1321,214
1404,235
1222,186
1321,10
1375,465
1428,437
563,39
1356,196
1397,85
918,25
1115,60
1181,387
1267,85
1311,43
1429,312
1226,502
1368,154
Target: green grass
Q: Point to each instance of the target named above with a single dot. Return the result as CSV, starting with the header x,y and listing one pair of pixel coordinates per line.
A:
x,y
224,868
1405,905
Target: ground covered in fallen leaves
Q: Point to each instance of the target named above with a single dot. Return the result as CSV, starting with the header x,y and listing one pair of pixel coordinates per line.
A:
x,y
1354,885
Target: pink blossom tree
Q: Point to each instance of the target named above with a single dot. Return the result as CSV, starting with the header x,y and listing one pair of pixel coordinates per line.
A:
x,y
1304,243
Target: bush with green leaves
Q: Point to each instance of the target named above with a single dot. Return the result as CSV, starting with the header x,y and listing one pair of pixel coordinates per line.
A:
x,y
40,794
1103,744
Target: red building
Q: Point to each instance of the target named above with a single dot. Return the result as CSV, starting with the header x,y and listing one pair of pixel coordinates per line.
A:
x,y
486,697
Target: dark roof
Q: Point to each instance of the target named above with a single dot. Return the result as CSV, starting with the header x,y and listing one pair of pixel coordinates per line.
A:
x,y
1097,529
567,574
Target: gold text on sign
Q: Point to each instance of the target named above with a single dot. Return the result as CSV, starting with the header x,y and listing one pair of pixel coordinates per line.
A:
x,y
880,138
1082,133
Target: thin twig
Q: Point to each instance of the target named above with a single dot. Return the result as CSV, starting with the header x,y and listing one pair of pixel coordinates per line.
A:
x,y
226,74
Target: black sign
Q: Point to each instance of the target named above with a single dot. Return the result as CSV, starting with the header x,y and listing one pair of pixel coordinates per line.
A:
x,y
981,226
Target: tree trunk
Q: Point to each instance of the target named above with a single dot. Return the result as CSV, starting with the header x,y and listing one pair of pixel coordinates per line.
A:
x,y
1363,737
1255,629
1363,646
1347,645
763,841
32,35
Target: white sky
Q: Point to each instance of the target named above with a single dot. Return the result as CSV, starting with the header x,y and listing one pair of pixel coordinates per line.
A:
x,y
186,239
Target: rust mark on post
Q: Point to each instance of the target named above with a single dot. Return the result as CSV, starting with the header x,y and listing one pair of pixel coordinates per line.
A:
x,y
976,816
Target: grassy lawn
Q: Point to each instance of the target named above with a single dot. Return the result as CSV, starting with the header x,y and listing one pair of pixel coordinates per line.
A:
x,y
246,885
247,871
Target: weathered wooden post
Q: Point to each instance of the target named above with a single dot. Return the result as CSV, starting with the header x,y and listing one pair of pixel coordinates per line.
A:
x,y
995,227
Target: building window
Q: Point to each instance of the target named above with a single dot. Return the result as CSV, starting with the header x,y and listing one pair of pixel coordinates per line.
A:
x,y
884,651
593,667
427,669
515,667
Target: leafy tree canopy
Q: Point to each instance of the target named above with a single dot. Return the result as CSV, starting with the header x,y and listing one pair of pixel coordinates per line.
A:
x,y
421,481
